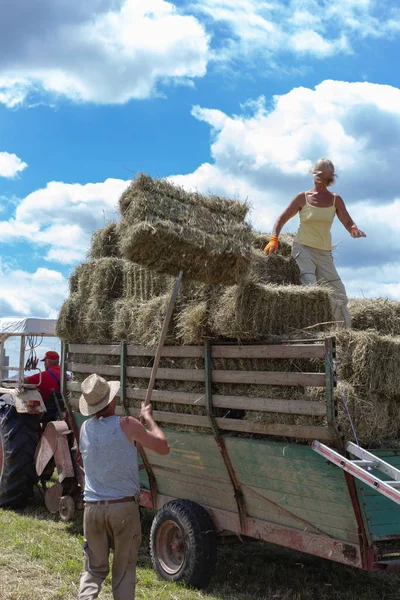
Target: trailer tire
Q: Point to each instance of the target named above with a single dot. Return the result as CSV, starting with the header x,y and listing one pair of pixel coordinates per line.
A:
x,y
183,543
18,441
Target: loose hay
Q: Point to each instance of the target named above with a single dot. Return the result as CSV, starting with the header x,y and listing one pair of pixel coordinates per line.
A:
x,y
167,229
381,314
105,242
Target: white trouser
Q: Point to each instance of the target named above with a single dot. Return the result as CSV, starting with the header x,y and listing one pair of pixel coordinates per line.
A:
x,y
316,267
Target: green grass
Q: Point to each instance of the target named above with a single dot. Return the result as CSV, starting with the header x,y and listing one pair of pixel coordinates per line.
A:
x,y
41,559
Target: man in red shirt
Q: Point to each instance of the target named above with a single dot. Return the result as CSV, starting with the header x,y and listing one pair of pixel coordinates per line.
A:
x,y
49,379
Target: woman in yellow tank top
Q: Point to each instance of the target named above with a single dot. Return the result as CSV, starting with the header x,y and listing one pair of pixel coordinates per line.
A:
x,y
313,243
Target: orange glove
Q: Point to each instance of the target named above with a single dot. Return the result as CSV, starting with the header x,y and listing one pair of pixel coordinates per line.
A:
x,y
356,233
272,246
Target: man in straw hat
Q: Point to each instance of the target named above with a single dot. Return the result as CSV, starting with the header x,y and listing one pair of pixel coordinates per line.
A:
x,y
111,518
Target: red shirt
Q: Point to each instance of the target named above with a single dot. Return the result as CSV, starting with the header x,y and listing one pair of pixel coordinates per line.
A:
x,y
48,382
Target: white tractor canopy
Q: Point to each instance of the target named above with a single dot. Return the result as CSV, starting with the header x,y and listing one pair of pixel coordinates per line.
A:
x,y
30,326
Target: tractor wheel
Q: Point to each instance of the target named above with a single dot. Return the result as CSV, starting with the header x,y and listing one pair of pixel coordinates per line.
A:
x,y
18,441
183,543
67,508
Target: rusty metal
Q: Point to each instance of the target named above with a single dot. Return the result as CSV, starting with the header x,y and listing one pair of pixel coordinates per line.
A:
x,y
54,442
238,494
53,496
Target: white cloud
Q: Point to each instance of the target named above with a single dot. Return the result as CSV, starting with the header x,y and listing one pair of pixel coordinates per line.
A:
x,y
105,51
37,294
265,155
10,164
301,27
61,217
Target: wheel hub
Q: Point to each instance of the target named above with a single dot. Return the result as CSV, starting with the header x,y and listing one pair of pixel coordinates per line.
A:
x,y
170,547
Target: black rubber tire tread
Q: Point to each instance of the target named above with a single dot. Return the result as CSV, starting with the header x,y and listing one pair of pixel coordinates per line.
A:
x,y
18,437
200,542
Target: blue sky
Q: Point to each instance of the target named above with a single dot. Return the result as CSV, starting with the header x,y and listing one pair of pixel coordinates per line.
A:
x,y
237,98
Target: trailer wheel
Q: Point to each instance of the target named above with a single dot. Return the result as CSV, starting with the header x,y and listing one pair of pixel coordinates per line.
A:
x,y
18,441
183,543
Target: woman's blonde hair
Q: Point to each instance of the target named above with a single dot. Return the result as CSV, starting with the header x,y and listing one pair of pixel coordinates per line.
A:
x,y
325,167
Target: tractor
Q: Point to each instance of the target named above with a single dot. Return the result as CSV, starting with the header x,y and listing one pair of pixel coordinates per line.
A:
x,y
37,438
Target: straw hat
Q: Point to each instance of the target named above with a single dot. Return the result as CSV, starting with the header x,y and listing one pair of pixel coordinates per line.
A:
x,y
97,393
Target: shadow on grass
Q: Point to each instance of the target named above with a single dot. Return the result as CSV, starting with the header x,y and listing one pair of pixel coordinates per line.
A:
x,y
256,571
266,572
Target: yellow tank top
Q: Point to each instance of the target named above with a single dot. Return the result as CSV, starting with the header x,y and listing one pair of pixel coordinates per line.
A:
x,y
315,225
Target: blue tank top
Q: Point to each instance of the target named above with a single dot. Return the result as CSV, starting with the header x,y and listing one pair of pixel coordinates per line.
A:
x,y
109,459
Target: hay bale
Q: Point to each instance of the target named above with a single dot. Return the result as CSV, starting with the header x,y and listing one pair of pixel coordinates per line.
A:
x,y
105,242
100,279
253,311
79,280
381,314
98,321
167,229
143,284
260,240
376,419
106,280
141,322
369,361
273,268
70,326
163,188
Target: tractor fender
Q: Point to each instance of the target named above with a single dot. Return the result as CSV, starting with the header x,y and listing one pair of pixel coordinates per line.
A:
x,y
54,442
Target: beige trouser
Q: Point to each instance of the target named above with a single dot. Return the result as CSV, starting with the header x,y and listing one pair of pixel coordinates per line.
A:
x,y
115,526
316,266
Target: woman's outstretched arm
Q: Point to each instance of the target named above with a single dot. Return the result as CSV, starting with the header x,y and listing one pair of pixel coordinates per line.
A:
x,y
296,204
346,219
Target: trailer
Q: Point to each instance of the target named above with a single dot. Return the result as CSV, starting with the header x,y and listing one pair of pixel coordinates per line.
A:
x,y
245,480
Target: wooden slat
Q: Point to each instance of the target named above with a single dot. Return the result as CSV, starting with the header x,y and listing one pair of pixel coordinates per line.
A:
x,y
112,370
295,407
270,378
172,351
276,351
94,349
218,351
246,377
295,431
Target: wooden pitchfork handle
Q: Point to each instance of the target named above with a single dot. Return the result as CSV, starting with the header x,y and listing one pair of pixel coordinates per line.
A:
x,y
163,335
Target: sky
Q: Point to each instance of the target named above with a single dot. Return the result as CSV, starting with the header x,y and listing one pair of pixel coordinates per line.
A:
x,y
224,96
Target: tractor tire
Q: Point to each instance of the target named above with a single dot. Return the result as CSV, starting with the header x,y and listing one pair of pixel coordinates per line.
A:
x,y
18,441
183,543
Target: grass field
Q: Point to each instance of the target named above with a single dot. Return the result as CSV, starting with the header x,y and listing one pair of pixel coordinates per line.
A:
x,y
41,559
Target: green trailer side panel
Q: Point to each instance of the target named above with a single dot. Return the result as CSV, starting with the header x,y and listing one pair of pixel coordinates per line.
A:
x,y
287,484
382,516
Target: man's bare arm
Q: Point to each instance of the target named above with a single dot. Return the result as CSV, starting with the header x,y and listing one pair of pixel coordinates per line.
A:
x,y
154,439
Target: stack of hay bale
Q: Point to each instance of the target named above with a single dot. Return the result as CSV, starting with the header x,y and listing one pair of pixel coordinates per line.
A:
x,y
230,292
